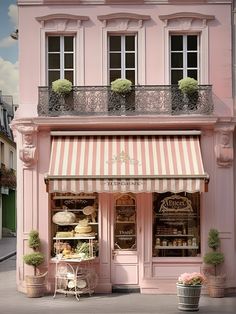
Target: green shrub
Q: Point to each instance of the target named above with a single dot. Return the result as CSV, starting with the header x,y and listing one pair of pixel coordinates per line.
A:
x,y
214,257
213,239
33,259
121,86
34,241
188,85
62,86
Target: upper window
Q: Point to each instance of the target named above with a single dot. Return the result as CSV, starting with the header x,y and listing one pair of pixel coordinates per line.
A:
x,y
184,55
60,58
122,57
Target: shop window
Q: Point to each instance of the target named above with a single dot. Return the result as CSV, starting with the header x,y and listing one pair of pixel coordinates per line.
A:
x,y
176,224
60,58
74,225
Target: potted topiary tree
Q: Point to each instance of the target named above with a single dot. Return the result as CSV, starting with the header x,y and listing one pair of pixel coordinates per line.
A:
x,y
122,96
215,280
61,98
35,284
189,88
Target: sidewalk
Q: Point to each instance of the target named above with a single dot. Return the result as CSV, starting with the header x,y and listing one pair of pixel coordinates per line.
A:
x,y
12,301
7,247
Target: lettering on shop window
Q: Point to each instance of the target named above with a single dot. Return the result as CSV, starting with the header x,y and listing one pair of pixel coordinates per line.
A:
x,y
176,204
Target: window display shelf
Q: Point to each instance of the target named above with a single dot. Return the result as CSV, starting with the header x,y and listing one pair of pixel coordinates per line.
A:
x,y
125,222
74,238
171,247
174,235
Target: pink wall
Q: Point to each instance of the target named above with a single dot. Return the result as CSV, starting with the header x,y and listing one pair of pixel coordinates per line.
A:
x,y
219,59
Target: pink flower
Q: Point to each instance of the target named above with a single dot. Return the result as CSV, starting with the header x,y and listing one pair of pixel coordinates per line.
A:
x,y
191,279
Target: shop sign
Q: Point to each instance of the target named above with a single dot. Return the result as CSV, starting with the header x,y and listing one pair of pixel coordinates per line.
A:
x,y
176,204
123,182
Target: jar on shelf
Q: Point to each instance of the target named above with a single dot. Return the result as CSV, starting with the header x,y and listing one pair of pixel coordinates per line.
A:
x,y
164,243
189,242
194,241
158,241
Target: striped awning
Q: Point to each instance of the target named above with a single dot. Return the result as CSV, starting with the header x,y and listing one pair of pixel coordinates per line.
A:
x,y
126,163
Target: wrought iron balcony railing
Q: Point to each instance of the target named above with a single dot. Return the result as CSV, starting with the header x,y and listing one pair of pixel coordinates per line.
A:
x,y
142,100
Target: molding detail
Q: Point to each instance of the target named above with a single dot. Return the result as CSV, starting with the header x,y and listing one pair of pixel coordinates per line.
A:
x,y
28,153
224,147
62,20
189,17
126,17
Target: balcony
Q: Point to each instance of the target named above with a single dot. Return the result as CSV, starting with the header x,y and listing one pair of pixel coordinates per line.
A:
x,y
142,100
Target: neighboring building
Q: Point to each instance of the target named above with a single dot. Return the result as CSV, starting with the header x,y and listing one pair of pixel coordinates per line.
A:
x,y
8,167
143,160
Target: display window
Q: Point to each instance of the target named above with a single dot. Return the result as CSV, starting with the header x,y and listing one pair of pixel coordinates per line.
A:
x,y
176,225
74,225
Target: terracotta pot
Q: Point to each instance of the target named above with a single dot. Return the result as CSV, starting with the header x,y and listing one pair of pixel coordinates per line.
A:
x,y
35,286
216,286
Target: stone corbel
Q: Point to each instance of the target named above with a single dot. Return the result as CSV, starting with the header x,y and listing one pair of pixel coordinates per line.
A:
x,y
224,147
28,153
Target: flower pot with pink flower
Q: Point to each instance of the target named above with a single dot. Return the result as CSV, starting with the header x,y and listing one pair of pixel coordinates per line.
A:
x,y
189,290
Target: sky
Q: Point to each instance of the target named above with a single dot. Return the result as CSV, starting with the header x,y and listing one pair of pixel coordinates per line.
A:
x,y
8,49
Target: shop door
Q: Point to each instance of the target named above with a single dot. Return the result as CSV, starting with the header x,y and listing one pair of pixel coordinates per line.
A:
x,y
124,255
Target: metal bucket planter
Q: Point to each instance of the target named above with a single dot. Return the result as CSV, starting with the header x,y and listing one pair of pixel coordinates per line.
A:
x,y
188,297
35,286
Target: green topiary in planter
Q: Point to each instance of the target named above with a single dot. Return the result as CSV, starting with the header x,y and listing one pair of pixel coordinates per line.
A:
x,y
62,86
216,282
35,258
35,284
188,85
214,258
121,86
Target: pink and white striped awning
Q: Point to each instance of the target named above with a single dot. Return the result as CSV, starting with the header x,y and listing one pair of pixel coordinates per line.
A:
x,y
126,163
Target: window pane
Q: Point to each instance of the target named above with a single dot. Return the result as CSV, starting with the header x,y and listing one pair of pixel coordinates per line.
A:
x,y
114,74
53,44
129,43
130,75
176,224
125,223
53,76
130,60
176,75
68,61
69,76
54,61
176,60
193,74
192,60
68,43
115,60
115,43
192,42
176,43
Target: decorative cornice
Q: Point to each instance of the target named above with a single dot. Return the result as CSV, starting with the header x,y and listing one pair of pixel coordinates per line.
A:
x,y
191,15
123,15
51,17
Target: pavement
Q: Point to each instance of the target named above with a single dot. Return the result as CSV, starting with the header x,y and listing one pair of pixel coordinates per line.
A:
x,y
12,301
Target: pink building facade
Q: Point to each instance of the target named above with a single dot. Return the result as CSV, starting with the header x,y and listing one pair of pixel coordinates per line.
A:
x,y
157,168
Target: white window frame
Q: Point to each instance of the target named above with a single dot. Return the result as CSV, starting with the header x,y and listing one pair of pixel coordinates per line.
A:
x,y
62,53
184,52
66,24
123,55
187,23
121,26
